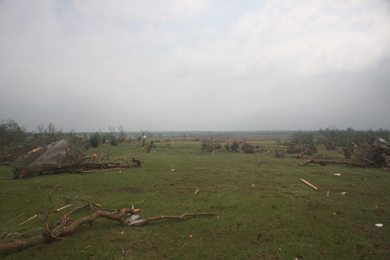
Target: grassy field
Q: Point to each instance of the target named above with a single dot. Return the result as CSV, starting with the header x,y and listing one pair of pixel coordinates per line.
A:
x,y
265,211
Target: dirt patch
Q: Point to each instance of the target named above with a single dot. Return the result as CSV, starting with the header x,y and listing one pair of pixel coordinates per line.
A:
x,y
280,174
130,190
382,248
100,192
225,232
319,172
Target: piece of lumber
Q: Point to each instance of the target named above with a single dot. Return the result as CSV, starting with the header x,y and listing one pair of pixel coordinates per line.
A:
x,y
308,183
63,207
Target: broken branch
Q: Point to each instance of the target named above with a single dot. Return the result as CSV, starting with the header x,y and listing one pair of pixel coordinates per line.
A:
x,y
63,207
28,220
144,221
63,229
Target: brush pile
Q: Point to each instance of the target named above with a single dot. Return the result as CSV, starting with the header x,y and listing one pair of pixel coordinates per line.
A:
x,y
372,153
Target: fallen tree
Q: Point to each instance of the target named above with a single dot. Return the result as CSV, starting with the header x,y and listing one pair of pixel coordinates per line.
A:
x,y
66,227
368,153
323,163
62,157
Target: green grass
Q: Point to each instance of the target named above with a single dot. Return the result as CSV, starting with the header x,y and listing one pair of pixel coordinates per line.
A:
x,y
279,218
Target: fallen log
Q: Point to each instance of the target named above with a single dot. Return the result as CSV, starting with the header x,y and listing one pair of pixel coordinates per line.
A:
x,y
309,161
76,167
323,163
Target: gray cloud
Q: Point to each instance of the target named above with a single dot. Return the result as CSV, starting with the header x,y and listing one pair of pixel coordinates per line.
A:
x,y
195,65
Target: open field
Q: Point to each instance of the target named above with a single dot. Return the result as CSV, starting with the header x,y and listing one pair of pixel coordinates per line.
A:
x,y
265,211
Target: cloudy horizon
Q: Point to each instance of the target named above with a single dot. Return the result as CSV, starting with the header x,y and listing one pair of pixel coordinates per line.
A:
x,y
206,65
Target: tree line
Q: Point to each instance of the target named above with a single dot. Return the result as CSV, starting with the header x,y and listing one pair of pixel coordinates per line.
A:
x,y
332,137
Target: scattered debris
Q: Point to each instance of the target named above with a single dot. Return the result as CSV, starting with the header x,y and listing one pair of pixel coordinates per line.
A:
x,y
308,183
196,192
253,185
28,220
344,193
379,225
337,174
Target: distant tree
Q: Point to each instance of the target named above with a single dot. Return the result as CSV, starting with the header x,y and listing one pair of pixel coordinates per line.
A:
x,y
370,132
235,146
51,129
331,138
11,133
95,140
111,136
145,134
122,134
40,128
302,138
383,133
248,148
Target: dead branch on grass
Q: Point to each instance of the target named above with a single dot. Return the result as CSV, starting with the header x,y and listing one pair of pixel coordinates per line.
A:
x,y
144,221
63,229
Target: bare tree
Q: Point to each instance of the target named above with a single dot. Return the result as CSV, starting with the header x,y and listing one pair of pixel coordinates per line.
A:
x,y
122,134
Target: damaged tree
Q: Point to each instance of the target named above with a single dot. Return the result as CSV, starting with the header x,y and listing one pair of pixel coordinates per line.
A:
x,y
62,157
368,153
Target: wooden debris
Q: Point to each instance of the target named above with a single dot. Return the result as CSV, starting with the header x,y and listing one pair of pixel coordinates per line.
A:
x,y
196,192
309,161
18,216
28,220
308,183
63,207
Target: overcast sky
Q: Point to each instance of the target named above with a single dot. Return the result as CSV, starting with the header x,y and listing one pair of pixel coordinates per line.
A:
x,y
195,65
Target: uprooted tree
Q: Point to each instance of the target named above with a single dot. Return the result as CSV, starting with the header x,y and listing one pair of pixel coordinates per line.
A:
x,y
65,156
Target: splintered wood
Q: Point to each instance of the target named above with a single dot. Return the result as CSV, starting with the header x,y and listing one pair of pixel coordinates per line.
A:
x,y
308,183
